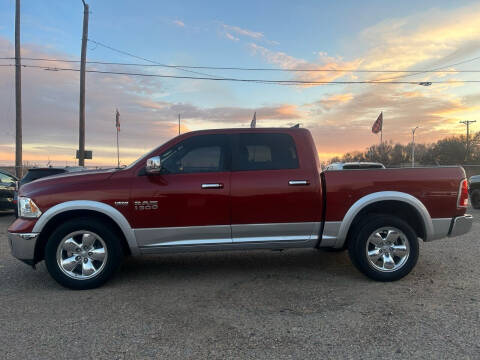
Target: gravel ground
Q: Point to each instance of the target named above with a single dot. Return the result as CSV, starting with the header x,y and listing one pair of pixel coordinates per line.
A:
x,y
295,304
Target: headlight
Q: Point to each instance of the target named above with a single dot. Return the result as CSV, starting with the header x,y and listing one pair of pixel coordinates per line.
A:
x,y
27,208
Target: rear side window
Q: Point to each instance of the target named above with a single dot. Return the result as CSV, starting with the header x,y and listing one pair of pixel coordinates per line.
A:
x,y
264,152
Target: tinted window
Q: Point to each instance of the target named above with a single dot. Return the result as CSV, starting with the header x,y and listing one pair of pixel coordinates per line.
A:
x,y
6,179
362,166
203,153
264,152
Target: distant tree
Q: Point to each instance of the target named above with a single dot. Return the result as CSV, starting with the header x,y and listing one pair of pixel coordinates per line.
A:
x,y
448,151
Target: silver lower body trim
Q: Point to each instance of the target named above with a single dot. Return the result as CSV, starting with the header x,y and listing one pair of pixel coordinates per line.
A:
x,y
22,245
275,232
221,237
461,225
441,227
186,235
330,233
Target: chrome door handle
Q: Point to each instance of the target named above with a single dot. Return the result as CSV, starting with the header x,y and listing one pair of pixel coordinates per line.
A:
x,y
212,186
298,182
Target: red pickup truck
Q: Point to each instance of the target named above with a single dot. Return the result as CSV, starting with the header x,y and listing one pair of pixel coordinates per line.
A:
x,y
235,189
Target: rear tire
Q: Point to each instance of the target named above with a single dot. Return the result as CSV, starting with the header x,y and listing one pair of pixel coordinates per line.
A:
x,y
385,248
83,253
475,198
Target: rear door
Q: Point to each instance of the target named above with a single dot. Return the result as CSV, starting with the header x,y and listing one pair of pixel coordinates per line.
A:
x,y
188,203
275,194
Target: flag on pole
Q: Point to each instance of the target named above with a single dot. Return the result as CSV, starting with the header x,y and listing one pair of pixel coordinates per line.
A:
x,y
117,120
378,124
254,120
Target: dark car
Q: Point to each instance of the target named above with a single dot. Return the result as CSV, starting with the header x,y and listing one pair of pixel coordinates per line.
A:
x,y
474,190
7,190
41,172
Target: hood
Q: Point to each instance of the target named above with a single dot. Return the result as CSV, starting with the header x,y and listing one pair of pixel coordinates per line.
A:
x,y
57,183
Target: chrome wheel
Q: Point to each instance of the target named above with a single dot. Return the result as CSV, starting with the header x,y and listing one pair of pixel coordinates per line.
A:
x,y
387,249
82,255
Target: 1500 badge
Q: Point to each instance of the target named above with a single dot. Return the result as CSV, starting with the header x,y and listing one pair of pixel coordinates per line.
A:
x,y
146,205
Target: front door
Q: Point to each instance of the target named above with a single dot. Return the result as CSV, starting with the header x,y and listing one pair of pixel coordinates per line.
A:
x,y
275,195
188,203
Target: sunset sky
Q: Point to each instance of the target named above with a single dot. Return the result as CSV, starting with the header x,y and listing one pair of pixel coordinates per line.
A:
x,y
353,35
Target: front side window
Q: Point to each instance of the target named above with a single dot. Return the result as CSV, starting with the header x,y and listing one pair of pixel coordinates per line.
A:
x,y
264,152
201,153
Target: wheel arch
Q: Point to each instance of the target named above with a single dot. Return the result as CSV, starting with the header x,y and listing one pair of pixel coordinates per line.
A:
x,y
403,205
63,211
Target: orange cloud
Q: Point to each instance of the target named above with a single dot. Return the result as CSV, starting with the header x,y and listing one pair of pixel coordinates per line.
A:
x,y
289,62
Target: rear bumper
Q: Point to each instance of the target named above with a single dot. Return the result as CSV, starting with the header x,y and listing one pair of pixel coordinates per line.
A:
x,y
22,246
460,225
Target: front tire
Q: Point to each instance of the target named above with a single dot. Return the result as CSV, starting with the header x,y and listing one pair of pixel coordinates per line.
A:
x,y
385,248
83,253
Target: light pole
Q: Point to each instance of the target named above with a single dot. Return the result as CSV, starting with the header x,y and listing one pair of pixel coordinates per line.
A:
x,y
413,146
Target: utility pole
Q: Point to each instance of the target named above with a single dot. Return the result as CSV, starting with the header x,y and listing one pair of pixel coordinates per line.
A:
x,y
467,123
413,146
81,133
18,95
178,124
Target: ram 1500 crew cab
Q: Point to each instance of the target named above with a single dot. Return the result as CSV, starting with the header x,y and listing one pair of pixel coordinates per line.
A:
x,y
235,189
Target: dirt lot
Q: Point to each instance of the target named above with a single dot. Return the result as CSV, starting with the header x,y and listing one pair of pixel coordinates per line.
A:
x,y
294,304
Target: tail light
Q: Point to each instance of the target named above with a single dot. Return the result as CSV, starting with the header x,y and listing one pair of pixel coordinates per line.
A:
x,y
463,194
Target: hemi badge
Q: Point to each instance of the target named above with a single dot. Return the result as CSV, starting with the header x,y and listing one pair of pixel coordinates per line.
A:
x,y
121,203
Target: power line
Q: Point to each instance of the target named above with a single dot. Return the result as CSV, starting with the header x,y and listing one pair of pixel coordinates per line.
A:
x,y
264,81
437,69
415,72
145,59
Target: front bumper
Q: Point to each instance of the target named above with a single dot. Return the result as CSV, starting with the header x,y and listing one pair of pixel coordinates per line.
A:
x,y
460,225
22,246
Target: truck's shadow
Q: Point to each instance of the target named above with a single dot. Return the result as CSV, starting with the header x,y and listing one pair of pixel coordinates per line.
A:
x,y
300,263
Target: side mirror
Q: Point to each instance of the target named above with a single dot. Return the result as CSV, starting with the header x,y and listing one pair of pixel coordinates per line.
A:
x,y
153,165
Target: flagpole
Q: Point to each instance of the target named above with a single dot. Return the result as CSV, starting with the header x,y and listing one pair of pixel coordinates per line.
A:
x,y
381,131
118,152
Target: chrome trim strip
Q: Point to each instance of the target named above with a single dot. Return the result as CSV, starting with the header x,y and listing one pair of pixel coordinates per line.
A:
x,y
268,245
212,186
272,238
190,242
298,182
382,196
103,208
